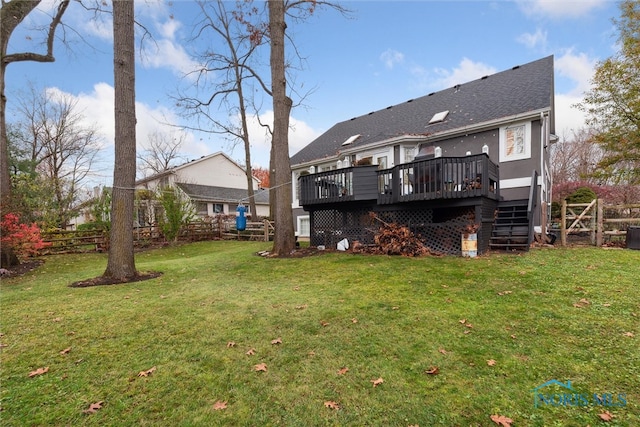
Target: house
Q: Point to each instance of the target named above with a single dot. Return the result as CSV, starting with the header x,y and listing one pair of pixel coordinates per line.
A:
x,y
214,184
473,157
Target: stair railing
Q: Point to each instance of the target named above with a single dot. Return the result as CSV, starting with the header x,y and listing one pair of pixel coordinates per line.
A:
x,y
533,201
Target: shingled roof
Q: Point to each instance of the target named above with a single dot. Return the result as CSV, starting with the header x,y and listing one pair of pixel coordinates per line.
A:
x,y
520,90
210,193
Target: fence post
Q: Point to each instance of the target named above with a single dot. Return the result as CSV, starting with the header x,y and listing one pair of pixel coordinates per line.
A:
x,y
265,224
563,224
543,222
593,224
600,230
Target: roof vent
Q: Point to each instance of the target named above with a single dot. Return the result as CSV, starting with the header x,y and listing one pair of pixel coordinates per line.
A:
x,y
484,77
456,89
370,113
411,100
389,107
432,93
516,67
351,139
439,117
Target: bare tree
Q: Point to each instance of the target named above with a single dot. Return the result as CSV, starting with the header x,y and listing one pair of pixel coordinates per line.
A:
x,y
230,67
162,154
575,157
59,147
284,237
280,169
121,261
12,13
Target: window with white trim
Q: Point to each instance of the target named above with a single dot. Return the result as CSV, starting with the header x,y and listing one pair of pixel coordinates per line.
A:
x,y
304,226
515,142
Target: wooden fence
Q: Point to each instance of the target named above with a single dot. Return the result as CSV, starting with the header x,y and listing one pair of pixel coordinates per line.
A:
x,y
74,241
600,221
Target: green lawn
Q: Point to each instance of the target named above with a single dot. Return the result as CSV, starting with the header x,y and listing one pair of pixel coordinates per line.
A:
x,y
495,327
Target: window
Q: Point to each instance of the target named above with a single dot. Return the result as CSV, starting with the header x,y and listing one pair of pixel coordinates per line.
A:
x,y
218,208
439,117
351,139
382,162
409,154
515,142
304,226
202,208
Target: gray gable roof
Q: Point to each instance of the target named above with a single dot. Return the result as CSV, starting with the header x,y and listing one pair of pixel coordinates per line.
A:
x,y
208,193
520,90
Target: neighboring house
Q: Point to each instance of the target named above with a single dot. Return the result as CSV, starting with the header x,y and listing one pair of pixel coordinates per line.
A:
x,y
214,184
471,157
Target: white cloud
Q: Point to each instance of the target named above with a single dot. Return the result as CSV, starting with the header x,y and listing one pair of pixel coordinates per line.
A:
x,y
300,134
559,8
391,57
535,40
97,108
466,71
169,55
579,68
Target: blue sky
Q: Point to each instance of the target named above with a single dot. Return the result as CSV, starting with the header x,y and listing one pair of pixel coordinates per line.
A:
x,y
383,53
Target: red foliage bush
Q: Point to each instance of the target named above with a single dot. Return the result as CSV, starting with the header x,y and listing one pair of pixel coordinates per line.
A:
x,y
25,240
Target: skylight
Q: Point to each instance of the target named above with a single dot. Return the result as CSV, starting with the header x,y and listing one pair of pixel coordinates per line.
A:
x,y
351,139
439,117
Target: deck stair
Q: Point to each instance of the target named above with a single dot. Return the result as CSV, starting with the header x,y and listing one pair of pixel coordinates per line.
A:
x,y
511,226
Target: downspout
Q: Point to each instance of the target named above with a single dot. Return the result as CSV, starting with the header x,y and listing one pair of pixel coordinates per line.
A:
x,y
544,142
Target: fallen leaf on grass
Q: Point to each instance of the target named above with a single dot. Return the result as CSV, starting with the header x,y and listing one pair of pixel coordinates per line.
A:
x,y
277,341
354,320
442,350
628,334
260,367
323,323
301,307
395,308
231,344
147,372
65,351
377,382
505,293
463,321
331,404
491,362
93,408
433,371
582,303
251,352
501,420
606,416
343,371
219,405
38,371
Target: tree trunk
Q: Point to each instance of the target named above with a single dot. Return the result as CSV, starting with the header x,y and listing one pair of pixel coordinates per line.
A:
x,y
121,262
284,238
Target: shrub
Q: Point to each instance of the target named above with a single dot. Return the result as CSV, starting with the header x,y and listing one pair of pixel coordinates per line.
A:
x,y
582,195
21,239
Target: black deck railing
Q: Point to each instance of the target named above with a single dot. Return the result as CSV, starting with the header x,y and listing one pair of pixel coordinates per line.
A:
x,y
339,185
438,178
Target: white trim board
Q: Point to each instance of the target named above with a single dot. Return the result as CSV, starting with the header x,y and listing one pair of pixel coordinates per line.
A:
x,y
518,182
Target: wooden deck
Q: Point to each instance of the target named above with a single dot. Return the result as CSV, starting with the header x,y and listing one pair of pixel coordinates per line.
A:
x,y
423,180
